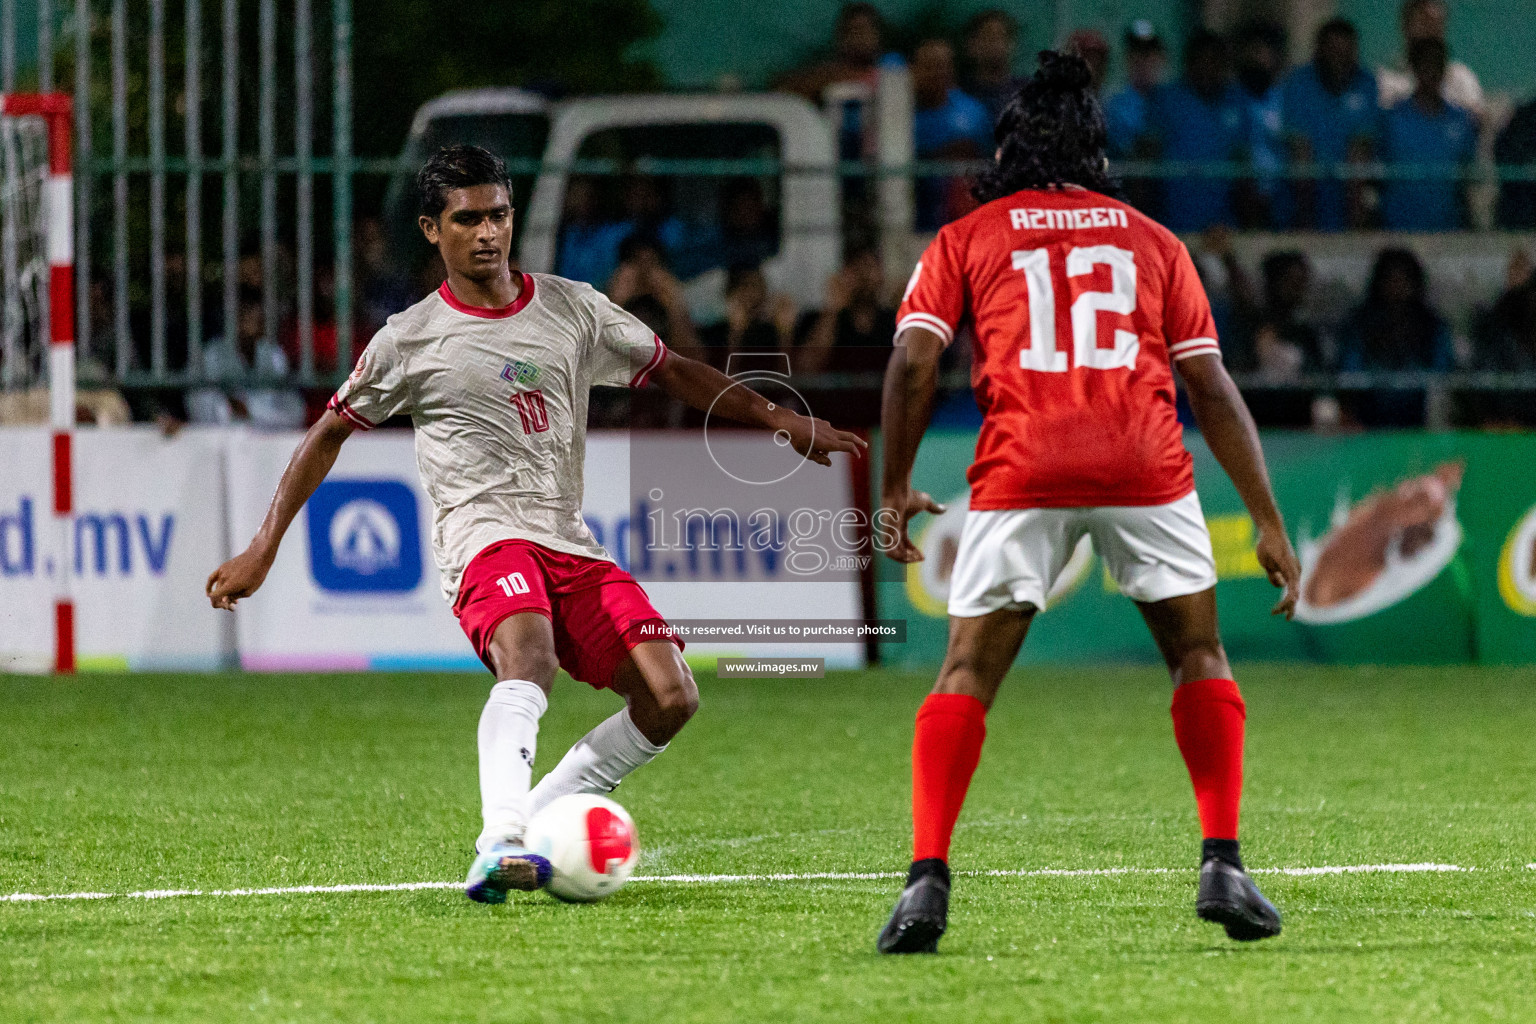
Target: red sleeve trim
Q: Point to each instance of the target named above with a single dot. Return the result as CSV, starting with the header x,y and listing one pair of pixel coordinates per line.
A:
x,y
656,360
339,406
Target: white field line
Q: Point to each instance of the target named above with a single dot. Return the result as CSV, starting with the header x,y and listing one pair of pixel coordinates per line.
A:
x,y
708,879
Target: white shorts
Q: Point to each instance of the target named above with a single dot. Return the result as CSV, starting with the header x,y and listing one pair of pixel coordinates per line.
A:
x,y
1010,558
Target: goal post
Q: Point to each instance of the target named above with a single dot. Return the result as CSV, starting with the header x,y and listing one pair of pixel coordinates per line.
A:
x,y
56,112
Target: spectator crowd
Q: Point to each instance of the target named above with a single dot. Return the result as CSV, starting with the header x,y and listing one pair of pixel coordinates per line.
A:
x,y
1232,138
1327,145
1324,146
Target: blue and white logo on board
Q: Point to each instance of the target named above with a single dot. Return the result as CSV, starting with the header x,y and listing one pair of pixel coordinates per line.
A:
x,y
364,537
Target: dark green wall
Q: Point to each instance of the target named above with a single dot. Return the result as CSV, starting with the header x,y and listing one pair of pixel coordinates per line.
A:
x,y
1494,37
706,39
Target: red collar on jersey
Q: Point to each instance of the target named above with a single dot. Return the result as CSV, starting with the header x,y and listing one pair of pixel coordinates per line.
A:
x,y
524,296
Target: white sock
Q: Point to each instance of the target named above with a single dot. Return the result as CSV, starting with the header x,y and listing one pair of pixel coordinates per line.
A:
x,y
509,737
598,761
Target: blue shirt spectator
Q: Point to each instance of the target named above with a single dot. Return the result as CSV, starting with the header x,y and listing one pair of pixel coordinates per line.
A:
x,y
1128,110
1442,142
947,124
589,244
590,252
1265,143
1127,114
1194,127
1200,119
1426,133
1329,108
1260,59
959,119
988,44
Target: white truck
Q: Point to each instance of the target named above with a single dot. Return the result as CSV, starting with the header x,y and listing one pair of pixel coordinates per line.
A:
x,y
794,143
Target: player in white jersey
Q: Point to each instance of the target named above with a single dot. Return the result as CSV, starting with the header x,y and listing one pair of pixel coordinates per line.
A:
x,y
494,369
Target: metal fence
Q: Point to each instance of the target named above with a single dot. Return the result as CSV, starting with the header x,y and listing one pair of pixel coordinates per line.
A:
x,y
163,217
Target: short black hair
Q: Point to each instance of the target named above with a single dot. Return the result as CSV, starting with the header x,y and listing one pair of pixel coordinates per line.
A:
x,y
1337,27
979,20
1397,258
1050,134
850,12
1263,31
637,242
1203,41
457,167
1277,263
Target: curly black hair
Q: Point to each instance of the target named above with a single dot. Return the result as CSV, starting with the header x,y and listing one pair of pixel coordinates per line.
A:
x,y
457,167
1050,134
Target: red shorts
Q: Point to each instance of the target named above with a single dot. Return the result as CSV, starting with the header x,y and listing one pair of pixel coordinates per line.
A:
x,y
596,608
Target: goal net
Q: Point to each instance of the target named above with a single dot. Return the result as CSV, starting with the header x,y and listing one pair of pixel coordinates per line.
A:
x,y
24,271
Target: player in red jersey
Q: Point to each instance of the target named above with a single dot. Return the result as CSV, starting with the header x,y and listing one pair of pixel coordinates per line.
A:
x,y
1080,307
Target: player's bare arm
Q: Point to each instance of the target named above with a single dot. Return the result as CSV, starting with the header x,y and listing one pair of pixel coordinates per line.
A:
x,y
312,460
706,388
911,378
1233,437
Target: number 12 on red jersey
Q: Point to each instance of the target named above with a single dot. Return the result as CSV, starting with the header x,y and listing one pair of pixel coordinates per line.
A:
x,y
1040,352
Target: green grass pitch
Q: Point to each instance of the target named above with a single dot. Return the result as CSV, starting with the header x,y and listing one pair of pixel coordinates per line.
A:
x,y
125,783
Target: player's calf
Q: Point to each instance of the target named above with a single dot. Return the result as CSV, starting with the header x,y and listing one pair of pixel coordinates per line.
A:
x,y
659,688
660,697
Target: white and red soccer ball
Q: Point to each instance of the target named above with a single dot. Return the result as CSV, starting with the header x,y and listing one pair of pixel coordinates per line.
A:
x,y
591,843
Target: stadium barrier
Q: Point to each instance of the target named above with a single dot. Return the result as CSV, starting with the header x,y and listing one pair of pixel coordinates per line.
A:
x,y
1416,548
147,529
354,586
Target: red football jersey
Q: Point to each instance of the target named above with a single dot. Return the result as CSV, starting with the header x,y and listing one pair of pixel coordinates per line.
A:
x,y
1079,305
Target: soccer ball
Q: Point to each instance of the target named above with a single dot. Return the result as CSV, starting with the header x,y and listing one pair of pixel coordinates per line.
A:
x,y
590,842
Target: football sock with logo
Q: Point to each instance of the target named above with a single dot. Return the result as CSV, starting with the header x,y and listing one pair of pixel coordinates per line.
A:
x,y
1208,717
946,747
597,762
509,738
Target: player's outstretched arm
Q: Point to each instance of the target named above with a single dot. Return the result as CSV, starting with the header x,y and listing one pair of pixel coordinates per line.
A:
x,y
312,460
706,388
1234,440
911,377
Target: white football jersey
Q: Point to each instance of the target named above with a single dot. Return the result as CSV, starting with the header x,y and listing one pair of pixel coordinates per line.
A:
x,y
499,401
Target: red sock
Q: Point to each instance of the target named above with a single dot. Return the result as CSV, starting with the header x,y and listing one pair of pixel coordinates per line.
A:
x,y
945,749
1208,717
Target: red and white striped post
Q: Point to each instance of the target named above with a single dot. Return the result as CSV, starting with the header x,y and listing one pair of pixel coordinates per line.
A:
x,y
58,207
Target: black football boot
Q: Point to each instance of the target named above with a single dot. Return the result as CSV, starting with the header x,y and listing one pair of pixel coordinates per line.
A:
x,y
1229,897
922,912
